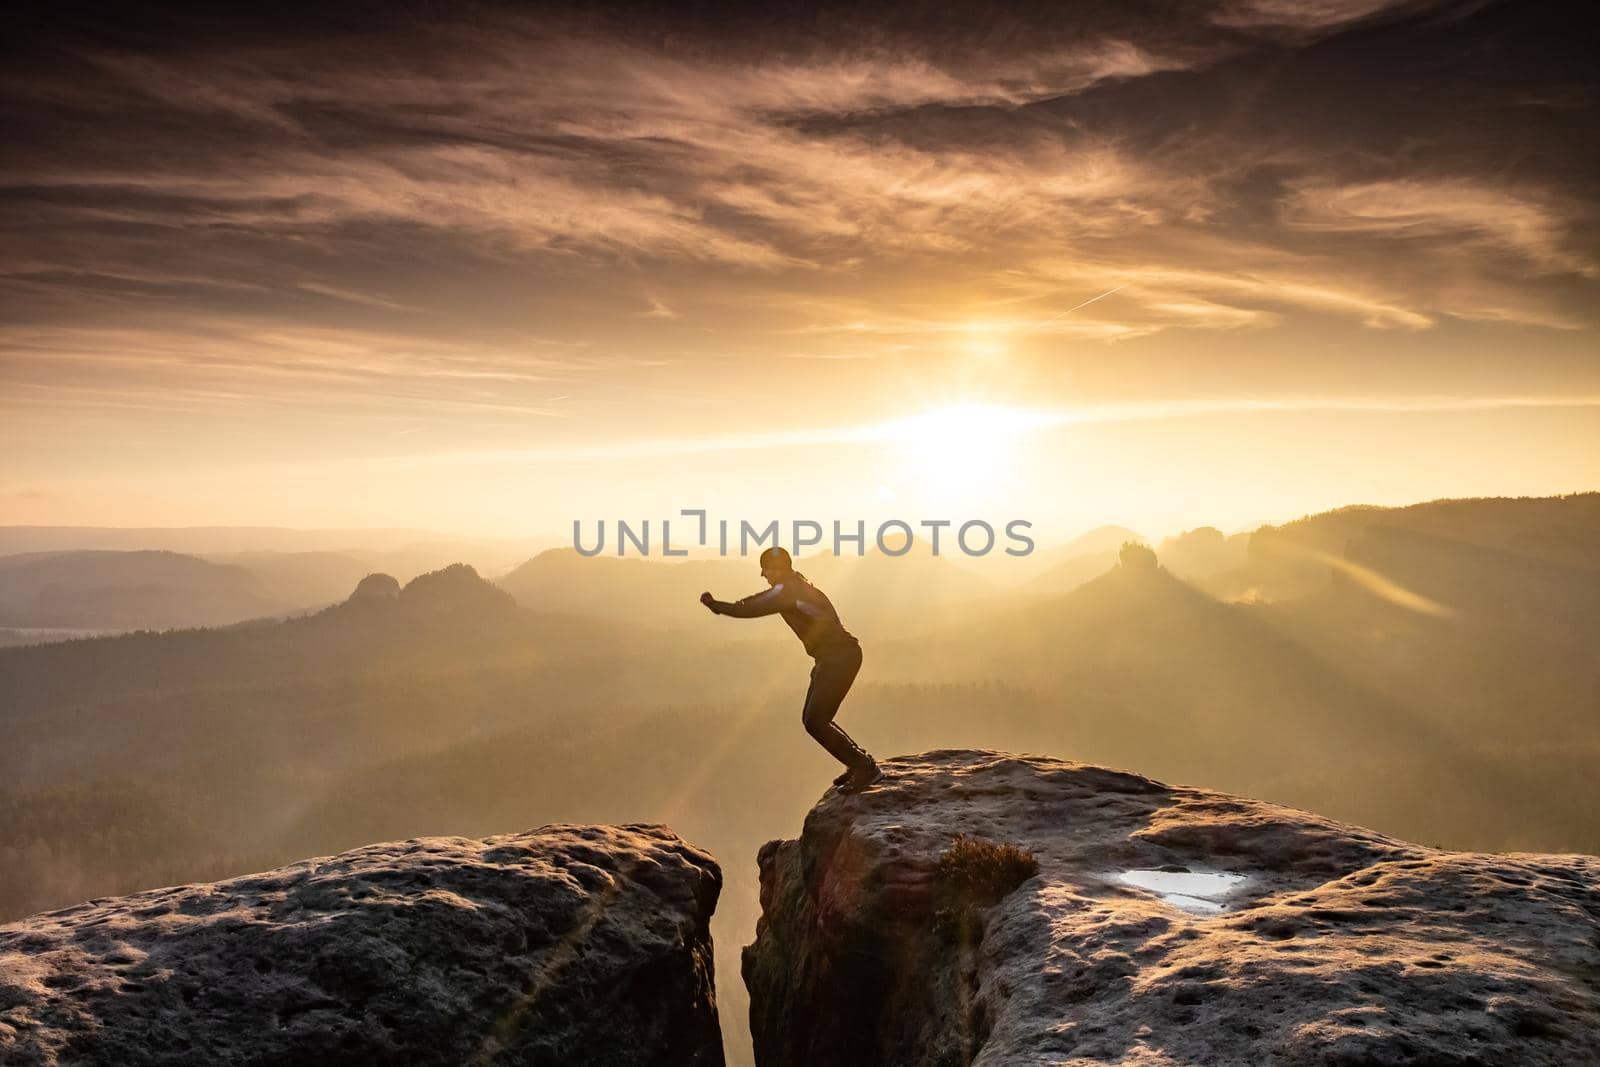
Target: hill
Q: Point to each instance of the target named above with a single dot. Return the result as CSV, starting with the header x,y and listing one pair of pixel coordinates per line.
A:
x,y
127,590
1296,558
874,593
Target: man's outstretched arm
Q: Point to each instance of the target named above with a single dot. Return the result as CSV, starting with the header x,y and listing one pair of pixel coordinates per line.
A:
x,y
767,602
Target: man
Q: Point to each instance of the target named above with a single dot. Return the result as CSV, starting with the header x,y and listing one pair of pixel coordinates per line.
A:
x,y
810,615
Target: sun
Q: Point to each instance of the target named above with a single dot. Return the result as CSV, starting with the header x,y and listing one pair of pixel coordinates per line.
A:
x,y
964,453
984,340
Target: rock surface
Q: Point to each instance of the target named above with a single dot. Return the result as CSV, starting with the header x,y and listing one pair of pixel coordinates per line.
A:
x,y
566,944
1341,946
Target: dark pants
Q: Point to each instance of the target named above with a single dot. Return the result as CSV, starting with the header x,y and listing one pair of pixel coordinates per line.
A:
x,y
831,676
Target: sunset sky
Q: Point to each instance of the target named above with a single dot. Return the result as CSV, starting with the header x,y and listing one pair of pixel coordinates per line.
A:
x,y
486,270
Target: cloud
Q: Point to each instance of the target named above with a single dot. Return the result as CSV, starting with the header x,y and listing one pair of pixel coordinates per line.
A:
x,y
164,369
1212,298
1304,15
849,192
1455,210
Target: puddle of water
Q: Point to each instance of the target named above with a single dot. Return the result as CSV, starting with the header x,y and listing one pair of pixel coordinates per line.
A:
x,y
1200,892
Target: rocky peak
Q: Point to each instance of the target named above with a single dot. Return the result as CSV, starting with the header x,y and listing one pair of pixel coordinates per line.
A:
x,y
457,588
376,587
564,944
1155,923
1133,556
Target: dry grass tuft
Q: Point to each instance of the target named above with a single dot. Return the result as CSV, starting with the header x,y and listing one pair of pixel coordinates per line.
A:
x,y
975,871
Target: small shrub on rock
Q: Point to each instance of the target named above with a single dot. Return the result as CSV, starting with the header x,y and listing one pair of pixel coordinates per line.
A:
x,y
983,872
975,874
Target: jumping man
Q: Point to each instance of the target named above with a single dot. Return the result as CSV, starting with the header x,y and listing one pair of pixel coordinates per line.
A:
x,y
838,654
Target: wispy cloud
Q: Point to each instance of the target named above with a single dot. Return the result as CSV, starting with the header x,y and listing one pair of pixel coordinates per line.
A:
x,y
1304,15
1458,212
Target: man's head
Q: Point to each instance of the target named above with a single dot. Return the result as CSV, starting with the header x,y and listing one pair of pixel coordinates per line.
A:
x,y
775,564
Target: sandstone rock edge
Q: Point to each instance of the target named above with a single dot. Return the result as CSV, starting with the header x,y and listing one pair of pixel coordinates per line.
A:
x,y
1344,946
564,944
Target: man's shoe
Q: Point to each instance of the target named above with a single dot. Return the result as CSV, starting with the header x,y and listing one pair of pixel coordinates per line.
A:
x,y
862,777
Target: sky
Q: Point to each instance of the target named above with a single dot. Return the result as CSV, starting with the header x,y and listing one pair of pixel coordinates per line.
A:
x,y
489,270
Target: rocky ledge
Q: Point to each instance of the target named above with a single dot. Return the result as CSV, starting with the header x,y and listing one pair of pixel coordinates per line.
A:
x,y
567,944
1156,925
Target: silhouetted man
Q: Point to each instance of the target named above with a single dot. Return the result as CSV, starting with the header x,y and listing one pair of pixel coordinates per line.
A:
x,y
810,615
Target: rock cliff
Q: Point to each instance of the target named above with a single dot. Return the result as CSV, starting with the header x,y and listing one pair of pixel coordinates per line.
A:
x,y
567,944
1164,925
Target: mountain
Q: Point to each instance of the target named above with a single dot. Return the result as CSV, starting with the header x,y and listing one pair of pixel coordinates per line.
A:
x,y
1298,557
1161,646
873,593
187,751
1301,702
1054,568
879,595
106,591
1099,539
983,907
1484,642
306,580
450,618
1069,574
1202,552
642,591
128,590
563,943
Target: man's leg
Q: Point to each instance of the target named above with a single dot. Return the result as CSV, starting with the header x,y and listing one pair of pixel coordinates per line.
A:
x,y
831,679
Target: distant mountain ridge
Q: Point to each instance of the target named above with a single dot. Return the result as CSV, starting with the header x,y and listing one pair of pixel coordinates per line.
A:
x,y
106,590
871,591
1292,559
450,616
127,590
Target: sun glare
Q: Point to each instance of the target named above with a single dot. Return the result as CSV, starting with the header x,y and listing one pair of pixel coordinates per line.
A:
x,y
961,452
985,340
